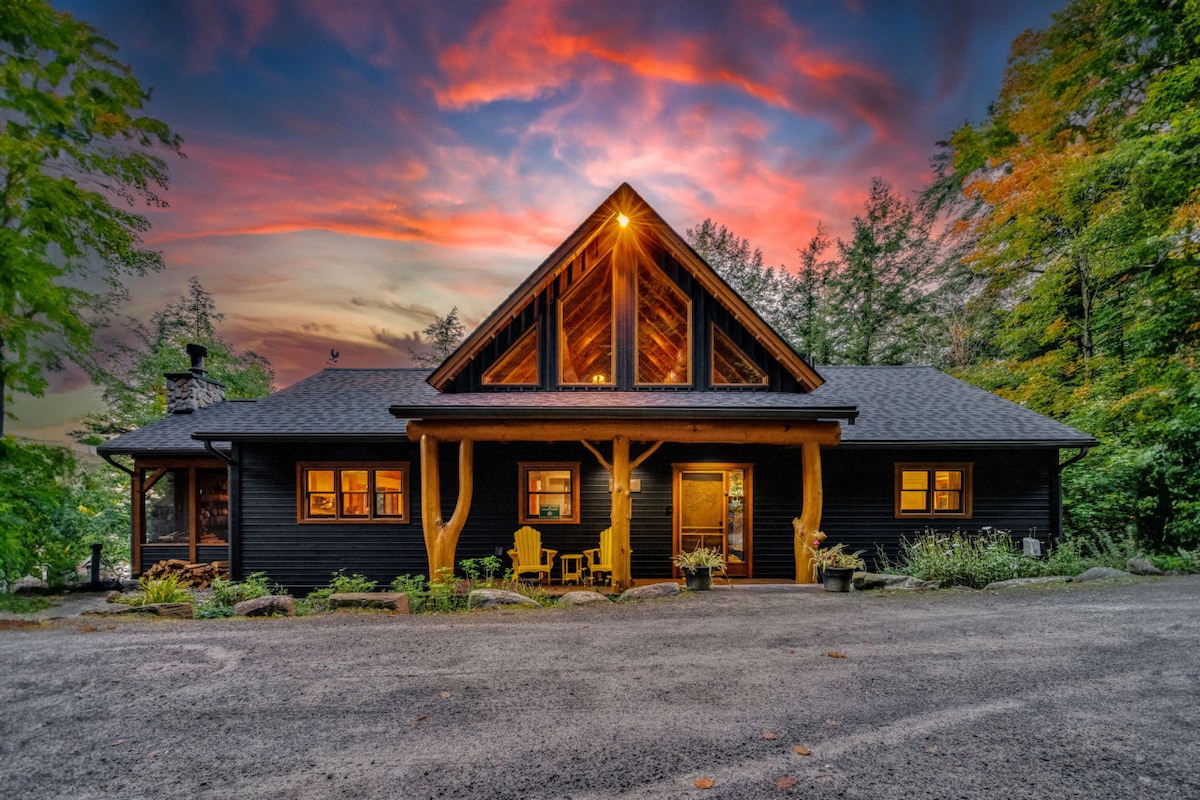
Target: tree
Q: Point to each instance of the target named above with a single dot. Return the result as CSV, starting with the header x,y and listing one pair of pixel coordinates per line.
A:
x,y
131,375
878,290
444,335
76,154
1086,234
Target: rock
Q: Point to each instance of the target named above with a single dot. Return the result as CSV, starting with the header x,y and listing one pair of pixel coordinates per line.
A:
x,y
1102,574
499,598
878,580
1008,584
391,601
173,610
1142,566
582,598
267,606
650,591
130,585
112,596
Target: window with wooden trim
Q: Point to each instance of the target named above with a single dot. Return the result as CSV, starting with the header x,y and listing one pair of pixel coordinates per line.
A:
x,y
184,505
932,491
730,364
664,330
586,354
371,492
519,364
549,492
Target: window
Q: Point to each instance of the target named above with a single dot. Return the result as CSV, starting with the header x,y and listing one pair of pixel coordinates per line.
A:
x,y
585,324
663,329
930,491
549,493
184,505
352,493
731,366
519,364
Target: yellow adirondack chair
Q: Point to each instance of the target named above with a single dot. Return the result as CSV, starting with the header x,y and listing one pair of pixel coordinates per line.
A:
x,y
600,559
528,555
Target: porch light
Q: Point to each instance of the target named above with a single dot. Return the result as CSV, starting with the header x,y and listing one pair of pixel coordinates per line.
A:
x,y
622,220
598,378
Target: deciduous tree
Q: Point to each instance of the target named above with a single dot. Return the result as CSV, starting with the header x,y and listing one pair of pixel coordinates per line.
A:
x,y
77,153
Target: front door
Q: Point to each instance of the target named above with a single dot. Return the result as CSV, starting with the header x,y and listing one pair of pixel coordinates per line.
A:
x,y
713,509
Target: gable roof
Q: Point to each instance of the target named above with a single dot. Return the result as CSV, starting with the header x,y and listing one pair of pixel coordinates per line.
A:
x,y
643,220
917,407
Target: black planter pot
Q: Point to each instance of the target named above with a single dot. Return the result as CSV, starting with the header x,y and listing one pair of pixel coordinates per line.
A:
x,y
837,579
699,579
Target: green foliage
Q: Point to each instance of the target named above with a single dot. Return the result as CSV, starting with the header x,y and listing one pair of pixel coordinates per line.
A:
x,y
481,572
164,589
23,604
341,583
52,509
1181,561
76,152
131,374
227,594
415,587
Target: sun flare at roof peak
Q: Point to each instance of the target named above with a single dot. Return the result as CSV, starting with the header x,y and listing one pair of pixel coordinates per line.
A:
x,y
622,220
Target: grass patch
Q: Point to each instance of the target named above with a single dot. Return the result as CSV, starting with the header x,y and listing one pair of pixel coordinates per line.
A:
x,y
165,589
24,604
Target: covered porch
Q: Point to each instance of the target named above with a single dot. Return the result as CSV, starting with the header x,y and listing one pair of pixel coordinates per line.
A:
x,y
619,446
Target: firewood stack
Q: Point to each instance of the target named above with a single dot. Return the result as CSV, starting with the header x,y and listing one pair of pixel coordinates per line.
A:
x,y
196,576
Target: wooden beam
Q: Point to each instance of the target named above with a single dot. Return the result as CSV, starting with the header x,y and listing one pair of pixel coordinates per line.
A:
x,y
638,430
441,538
807,527
622,512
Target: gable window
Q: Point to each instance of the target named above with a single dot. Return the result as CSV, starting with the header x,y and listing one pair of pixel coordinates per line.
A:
x,y
930,491
730,364
352,492
663,329
585,324
549,492
519,364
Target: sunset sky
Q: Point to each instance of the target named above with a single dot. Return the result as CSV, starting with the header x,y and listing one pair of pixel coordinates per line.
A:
x,y
354,168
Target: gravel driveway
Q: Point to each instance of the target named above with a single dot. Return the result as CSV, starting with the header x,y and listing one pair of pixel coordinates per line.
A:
x,y
1072,690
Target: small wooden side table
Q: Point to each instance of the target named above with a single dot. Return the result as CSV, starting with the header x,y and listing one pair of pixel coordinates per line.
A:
x,y
572,567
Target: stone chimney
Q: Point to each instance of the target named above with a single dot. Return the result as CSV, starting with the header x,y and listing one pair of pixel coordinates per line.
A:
x,y
192,390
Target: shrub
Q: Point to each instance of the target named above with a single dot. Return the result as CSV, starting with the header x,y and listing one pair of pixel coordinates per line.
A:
x,y
165,589
958,558
414,586
227,594
341,583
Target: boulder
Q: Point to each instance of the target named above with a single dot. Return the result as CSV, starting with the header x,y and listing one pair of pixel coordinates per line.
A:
x,y
112,596
877,580
1008,584
650,591
1142,566
582,598
268,606
1102,574
390,601
173,610
499,598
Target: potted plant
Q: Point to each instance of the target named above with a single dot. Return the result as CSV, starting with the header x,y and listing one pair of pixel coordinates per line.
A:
x,y
698,565
837,566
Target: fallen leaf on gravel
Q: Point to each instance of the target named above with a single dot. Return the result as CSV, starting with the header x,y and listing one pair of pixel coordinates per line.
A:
x,y
786,782
704,783
769,735
117,742
931,749
88,628
835,654
445,694
831,722
802,750
422,718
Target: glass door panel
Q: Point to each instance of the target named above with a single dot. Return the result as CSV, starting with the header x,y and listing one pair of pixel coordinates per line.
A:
x,y
713,511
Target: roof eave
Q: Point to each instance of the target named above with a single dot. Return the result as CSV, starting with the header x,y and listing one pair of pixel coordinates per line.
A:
x,y
847,413
929,444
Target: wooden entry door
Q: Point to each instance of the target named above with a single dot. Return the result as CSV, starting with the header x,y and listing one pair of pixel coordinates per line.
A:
x,y
713,509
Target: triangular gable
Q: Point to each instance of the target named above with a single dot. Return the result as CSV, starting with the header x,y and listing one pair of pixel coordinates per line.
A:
x,y
623,223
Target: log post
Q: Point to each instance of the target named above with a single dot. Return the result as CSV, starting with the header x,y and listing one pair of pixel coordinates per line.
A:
x,y
808,525
622,512
441,538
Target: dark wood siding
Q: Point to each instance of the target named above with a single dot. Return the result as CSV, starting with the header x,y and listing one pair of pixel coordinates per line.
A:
x,y
1012,491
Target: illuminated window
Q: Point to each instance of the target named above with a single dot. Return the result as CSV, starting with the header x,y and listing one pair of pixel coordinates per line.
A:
x,y
352,492
519,364
731,366
663,329
549,493
585,324
933,490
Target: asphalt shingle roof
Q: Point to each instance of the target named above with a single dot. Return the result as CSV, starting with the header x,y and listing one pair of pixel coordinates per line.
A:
x,y
916,406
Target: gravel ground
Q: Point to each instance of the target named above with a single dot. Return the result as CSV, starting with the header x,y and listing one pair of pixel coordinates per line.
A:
x,y
1072,690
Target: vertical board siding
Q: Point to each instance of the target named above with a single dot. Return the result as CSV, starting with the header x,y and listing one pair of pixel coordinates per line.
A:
x,y
1012,491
